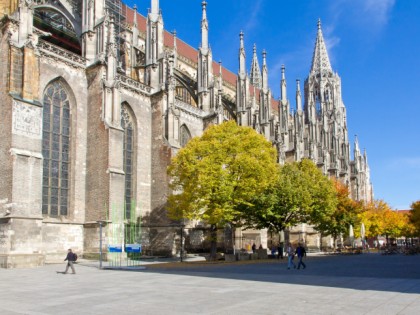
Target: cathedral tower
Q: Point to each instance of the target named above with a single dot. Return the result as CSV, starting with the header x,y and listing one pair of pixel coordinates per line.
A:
x,y
325,115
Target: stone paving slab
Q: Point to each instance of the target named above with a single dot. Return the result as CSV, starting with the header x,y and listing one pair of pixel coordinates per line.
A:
x,y
359,284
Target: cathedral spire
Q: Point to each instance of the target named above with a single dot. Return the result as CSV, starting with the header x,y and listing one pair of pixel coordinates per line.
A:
x,y
154,46
298,97
205,65
264,72
242,68
255,76
320,61
356,147
154,11
204,28
283,85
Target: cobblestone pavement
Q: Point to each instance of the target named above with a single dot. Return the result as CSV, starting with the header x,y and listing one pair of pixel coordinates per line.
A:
x,y
356,284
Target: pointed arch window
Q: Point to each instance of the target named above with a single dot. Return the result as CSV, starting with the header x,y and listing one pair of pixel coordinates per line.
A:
x,y
127,123
185,135
55,150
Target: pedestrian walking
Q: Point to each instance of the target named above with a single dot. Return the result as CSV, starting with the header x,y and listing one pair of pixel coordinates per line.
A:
x,y
70,258
300,252
290,255
254,248
280,251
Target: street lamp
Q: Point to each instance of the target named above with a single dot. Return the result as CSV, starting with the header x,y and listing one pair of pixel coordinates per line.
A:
x,y
100,242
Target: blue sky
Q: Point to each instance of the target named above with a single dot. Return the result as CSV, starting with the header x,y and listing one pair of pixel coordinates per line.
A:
x,y
374,45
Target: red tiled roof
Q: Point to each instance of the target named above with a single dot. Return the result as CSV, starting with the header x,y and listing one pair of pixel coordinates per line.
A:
x,y
403,211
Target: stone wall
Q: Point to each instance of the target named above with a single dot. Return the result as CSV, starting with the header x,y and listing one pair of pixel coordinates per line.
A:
x,y
58,238
97,179
5,128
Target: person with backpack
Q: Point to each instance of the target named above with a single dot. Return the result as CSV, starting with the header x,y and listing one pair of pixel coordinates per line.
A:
x,y
71,258
300,252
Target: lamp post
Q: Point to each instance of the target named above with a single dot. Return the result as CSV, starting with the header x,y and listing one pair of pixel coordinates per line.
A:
x,y
100,243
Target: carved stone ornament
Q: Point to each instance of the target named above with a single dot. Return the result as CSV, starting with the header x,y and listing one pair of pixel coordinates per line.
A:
x,y
27,120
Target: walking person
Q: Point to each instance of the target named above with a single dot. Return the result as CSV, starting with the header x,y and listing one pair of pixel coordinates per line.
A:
x,y
254,248
71,258
290,256
300,252
280,251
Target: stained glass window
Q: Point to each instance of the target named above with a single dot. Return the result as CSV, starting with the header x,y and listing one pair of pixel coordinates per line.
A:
x,y
129,158
55,150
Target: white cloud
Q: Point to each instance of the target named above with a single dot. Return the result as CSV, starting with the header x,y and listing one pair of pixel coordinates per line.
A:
x,y
408,163
371,16
253,19
378,10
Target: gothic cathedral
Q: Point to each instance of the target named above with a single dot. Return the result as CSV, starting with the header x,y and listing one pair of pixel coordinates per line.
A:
x,y
95,99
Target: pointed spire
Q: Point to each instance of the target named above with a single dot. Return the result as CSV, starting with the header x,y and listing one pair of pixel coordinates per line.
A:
x,y
264,71
255,76
220,76
242,67
320,60
175,43
283,84
204,28
356,147
155,7
298,96
135,16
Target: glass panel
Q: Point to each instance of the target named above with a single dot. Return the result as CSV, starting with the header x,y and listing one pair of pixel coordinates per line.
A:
x,y
54,182
63,210
45,208
63,95
66,113
46,165
54,210
66,131
54,194
55,155
56,145
50,91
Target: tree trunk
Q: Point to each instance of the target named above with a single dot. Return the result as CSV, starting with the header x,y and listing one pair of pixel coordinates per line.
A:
x,y
213,242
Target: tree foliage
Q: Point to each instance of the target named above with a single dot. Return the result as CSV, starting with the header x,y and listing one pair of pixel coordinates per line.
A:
x,y
300,193
415,216
380,219
216,173
344,214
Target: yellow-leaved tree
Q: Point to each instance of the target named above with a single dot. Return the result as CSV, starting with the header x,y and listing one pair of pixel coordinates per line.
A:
x,y
213,175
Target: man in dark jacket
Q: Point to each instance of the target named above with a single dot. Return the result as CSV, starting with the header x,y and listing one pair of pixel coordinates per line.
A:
x,y
71,258
300,252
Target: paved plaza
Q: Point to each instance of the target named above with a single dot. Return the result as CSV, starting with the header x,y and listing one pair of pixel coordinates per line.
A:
x,y
355,284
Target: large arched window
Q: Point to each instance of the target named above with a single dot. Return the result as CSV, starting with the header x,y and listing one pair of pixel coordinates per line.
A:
x,y
127,123
55,150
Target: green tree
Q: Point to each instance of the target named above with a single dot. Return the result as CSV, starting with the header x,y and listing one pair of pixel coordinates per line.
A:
x,y
216,173
344,214
300,193
415,216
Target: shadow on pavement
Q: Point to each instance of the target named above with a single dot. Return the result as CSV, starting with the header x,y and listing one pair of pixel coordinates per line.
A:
x,y
394,273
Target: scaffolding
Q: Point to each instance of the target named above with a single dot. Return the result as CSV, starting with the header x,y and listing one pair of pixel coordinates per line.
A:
x,y
114,8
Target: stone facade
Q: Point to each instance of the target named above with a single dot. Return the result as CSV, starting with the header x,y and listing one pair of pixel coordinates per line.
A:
x,y
95,100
